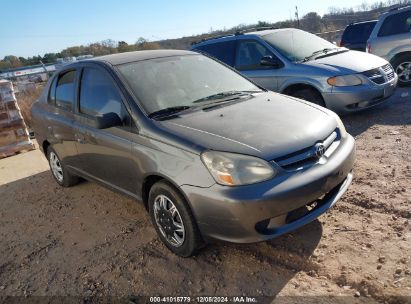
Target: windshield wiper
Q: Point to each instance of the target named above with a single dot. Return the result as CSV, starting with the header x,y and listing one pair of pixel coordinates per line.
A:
x,y
168,111
223,95
323,51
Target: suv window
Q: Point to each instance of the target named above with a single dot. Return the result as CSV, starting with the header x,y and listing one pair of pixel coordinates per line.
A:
x,y
65,90
99,95
223,51
249,54
396,24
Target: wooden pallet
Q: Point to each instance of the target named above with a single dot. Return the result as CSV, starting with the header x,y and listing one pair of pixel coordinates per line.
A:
x,y
16,149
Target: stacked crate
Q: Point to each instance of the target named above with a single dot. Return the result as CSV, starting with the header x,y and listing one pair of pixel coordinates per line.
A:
x,y
14,136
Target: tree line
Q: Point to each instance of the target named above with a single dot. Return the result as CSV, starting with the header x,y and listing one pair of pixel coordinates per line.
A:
x,y
334,19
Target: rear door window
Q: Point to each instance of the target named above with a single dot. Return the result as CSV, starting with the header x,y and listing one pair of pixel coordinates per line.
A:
x,y
396,24
223,51
249,54
65,90
99,95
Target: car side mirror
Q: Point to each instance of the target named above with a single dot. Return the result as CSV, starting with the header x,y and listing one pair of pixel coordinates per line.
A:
x,y
107,120
270,61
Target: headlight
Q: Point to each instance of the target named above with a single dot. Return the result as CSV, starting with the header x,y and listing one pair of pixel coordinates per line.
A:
x,y
345,81
236,169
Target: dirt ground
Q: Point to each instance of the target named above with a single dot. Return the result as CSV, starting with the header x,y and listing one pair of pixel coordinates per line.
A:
x,y
87,240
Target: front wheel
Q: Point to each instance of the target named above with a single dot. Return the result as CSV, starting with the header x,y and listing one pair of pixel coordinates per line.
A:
x,y
402,66
173,220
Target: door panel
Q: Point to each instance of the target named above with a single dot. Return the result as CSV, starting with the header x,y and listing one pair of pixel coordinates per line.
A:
x,y
105,154
248,57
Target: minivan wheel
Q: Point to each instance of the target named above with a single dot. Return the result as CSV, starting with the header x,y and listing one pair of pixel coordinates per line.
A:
x,y
402,66
62,176
173,220
309,95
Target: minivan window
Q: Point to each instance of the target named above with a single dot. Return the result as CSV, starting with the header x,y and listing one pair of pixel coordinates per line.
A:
x,y
99,95
249,54
223,51
177,81
296,44
65,90
396,24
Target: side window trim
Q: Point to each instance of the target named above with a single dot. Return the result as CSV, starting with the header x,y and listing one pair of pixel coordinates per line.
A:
x,y
114,84
75,83
52,89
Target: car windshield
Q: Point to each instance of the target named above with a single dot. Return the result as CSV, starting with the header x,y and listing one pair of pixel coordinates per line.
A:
x,y
179,82
296,45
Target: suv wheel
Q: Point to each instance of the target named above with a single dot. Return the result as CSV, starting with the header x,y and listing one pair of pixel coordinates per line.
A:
x,y
173,220
309,95
58,170
402,66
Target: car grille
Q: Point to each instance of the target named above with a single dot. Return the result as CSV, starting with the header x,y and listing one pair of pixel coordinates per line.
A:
x,y
308,156
380,75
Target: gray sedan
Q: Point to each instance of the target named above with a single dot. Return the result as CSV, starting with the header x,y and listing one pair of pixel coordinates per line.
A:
x,y
210,154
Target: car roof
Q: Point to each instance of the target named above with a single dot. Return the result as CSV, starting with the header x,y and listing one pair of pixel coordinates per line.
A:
x,y
234,36
362,22
121,58
266,32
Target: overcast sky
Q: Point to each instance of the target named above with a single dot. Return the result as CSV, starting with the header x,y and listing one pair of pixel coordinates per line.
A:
x,y
36,27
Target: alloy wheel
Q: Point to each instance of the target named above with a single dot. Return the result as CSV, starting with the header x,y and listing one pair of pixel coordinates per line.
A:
x,y
56,167
169,220
404,71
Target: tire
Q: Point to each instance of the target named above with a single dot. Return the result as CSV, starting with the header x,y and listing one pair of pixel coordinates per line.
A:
x,y
168,221
60,173
310,95
402,66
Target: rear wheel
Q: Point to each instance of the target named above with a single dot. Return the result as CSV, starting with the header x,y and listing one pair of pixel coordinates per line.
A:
x,y
60,173
402,66
310,95
173,220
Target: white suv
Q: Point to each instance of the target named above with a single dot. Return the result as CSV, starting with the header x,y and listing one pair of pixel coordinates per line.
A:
x,y
391,39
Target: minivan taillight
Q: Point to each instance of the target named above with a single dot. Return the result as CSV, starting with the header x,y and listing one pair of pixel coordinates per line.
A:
x,y
368,47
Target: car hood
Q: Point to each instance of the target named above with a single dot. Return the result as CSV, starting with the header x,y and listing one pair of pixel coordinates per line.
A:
x,y
349,62
268,126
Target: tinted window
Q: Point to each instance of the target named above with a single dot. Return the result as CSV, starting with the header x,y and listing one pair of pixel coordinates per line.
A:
x,y
65,90
223,51
52,93
358,33
396,24
249,54
99,95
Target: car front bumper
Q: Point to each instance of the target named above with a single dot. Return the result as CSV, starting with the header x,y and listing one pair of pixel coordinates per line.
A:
x,y
345,100
265,210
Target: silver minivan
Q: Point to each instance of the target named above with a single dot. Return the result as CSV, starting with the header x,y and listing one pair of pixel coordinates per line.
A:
x,y
303,65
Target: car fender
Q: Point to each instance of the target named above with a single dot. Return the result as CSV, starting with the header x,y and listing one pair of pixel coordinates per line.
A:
x,y
313,82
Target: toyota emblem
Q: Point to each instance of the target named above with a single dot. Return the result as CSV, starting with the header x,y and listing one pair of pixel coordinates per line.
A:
x,y
319,150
